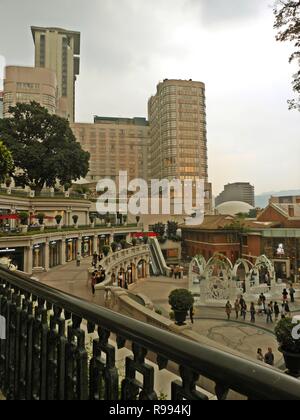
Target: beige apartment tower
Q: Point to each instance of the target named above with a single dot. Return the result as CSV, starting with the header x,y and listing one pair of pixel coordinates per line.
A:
x,y
177,119
115,144
27,84
58,50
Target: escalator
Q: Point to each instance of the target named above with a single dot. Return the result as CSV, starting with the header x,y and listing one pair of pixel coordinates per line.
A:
x,y
158,266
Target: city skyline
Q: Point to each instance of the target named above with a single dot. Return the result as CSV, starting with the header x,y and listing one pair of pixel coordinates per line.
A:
x,y
241,139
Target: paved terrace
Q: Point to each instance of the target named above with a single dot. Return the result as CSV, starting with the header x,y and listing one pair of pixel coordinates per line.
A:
x,y
210,322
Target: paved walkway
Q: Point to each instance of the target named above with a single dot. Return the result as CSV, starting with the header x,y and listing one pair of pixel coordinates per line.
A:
x,y
71,279
210,322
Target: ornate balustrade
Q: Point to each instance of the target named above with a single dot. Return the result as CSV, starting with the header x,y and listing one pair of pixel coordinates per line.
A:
x,y
118,261
45,355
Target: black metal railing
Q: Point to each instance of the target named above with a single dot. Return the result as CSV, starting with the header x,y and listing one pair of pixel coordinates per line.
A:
x,y
45,354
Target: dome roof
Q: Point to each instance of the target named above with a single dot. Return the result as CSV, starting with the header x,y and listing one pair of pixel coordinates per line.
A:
x,y
234,207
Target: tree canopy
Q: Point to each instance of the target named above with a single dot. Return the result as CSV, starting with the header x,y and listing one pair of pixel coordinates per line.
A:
x,y
43,147
287,22
6,162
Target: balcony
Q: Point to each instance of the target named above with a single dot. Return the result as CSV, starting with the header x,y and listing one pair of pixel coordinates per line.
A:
x,y
46,354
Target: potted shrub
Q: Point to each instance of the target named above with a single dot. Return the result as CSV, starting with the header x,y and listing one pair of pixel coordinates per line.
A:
x,y
24,221
106,250
41,217
181,301
289,345
75,220
114,246
134,242
58,219
107,219
145,240
123,244
92,220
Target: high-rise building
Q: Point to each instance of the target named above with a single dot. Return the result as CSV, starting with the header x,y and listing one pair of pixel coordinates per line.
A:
x,y
177,118
1,104
59,50
238,191
115,144
27,84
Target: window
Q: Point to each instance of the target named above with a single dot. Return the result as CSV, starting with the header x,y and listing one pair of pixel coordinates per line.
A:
x,y
42,50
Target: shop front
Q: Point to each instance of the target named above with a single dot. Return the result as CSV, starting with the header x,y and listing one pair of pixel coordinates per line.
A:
x,y
103,240
16,255
87,246
54,253
71,249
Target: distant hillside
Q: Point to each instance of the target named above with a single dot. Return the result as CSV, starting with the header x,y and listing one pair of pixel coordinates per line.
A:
x,y
263,199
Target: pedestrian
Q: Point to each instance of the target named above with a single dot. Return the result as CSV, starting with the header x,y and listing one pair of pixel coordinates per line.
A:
x,y
292,294
283,312
95,259
242,303
244,311
269,314
263,299
276,311
270,358
78,259
260,356
192,313
228,310
237,308
285,296
94,282
287,309
252,313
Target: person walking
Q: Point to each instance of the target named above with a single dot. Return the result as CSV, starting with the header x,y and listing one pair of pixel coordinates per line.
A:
x,y
228,308
287,309
269,314
260,356
263,299
260,306
94,282
292,294
192,313
95,259
285,296
276,311
270,358
237,308
242,304
78,259
244,311
252,312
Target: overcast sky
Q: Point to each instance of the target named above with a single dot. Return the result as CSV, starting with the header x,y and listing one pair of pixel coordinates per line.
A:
x,y
128,46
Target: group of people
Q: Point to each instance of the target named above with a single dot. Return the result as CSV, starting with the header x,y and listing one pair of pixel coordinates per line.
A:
x,y
98,276
176,272
270,310
268,358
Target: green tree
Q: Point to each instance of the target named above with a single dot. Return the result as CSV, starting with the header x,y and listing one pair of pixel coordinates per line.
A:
x,y
287,22
6,162
172,229
159,229
43,147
